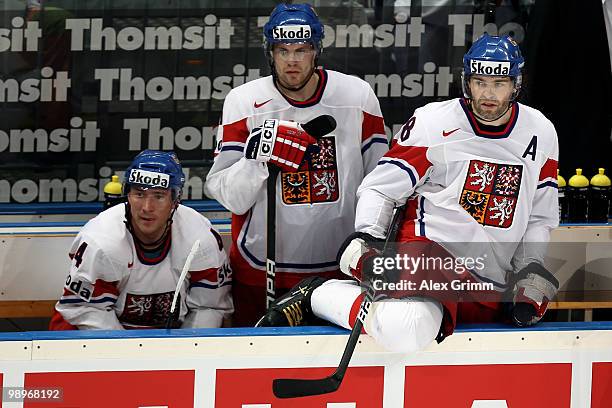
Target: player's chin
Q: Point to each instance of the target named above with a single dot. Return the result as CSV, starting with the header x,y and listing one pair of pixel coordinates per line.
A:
x,y
290,84
486,114
292,80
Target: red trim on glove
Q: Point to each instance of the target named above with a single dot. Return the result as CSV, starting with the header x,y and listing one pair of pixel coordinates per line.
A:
x,y
290,147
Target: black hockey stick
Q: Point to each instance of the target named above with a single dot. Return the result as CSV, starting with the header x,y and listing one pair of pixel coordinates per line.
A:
x,y
271,236
295,387
317,127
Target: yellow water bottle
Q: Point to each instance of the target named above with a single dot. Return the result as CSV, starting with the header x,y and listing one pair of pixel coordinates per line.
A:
x,y
113,193
599,197
577,198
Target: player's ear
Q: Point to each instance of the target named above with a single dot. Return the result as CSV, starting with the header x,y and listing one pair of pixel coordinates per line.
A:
x,y
176,196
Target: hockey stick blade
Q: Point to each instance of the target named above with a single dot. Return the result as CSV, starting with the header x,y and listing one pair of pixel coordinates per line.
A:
x,y
299,387
294,387
320,126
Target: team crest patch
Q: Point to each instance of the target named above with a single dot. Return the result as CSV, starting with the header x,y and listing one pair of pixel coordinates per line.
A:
x,y
490,192
316,181
147,310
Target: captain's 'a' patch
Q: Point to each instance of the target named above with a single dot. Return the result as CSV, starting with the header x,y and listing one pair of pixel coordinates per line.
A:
x,y
316,181
490,192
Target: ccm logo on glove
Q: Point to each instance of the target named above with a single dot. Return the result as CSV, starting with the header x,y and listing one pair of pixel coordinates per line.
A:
x,y
268,137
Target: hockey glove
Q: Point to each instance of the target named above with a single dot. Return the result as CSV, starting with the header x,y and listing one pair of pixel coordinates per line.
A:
x,y
278,142
354,252
533,289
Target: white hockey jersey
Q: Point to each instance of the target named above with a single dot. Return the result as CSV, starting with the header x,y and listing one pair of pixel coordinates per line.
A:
x,y
113,285
315,208
474,191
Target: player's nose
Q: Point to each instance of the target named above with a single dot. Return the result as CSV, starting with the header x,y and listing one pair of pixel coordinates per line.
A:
x,y
148,204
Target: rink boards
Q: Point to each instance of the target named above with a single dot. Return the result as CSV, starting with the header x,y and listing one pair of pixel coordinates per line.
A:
x,y
34,258
558,365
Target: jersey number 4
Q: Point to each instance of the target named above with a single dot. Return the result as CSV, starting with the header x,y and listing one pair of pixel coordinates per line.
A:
x,y
78,256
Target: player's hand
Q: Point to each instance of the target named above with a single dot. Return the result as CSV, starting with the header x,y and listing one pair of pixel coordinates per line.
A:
x,y
278,142
353,253
534,288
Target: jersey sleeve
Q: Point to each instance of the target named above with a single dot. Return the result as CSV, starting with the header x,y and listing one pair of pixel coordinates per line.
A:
x,y
396,176
233,180
544,215
374,142
209,298
90,291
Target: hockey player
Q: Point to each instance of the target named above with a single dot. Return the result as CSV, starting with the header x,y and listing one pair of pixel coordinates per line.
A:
x,y
126,262
315,205
479,170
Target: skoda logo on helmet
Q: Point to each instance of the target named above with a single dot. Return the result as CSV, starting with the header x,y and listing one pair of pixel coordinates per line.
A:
x,y
149,178
293,32
500,68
